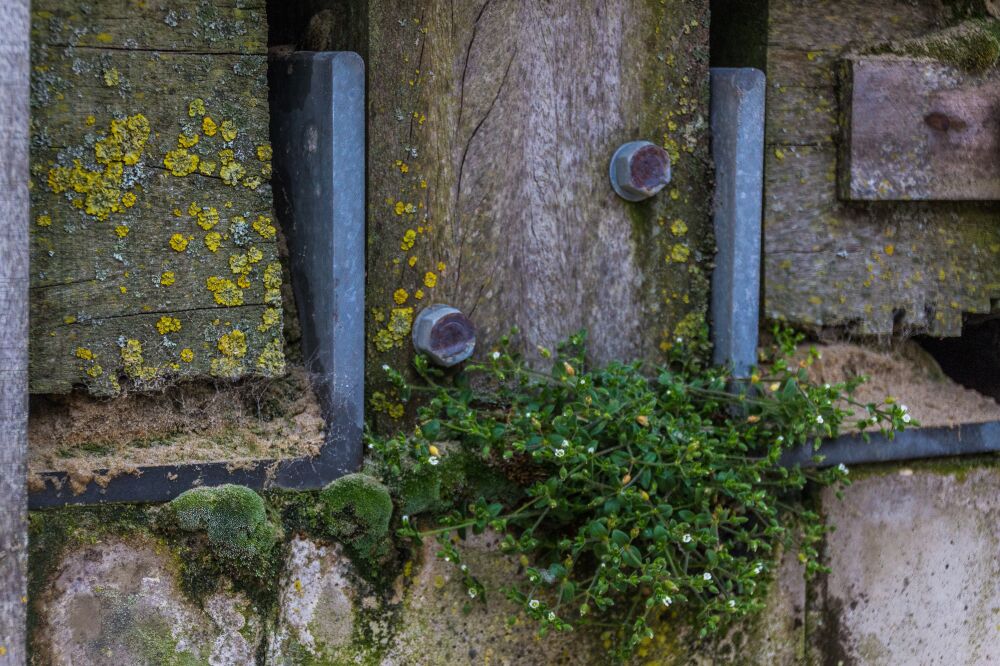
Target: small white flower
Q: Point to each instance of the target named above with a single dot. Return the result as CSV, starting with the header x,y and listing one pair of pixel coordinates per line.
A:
x,y
371,446
667,601
680,340
496,356
904,408
874,420
472,593
819,419
686,538
386,368
527,415
583,382
906,418
464,567
707,576
533,603
560,453
732,603
447,558
757,569
826,386
591,449
565,443
780,439
843,468
552,616
433,460
406,519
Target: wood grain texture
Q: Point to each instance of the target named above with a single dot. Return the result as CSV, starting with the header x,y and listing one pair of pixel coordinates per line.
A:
x,y
491,127
918,129
148,266
14,207
870,268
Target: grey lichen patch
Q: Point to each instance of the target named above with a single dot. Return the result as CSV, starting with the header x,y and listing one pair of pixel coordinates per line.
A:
x,y
972,46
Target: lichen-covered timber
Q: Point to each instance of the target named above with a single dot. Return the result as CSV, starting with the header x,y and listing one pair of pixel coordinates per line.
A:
x,y
154,252
904,267
490,131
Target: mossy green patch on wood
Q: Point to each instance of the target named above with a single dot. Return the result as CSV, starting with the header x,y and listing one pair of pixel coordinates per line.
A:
x,y
153,236
973,46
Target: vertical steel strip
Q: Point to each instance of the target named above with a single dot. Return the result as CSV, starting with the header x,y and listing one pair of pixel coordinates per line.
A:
x,y
738,150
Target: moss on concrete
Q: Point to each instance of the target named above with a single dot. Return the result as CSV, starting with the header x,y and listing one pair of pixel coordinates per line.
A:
x,y
355,510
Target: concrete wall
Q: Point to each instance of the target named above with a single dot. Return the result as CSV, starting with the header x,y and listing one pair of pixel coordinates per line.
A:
x,y
915,581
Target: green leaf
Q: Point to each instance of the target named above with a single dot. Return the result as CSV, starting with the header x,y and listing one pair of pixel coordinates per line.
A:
x,y
619,537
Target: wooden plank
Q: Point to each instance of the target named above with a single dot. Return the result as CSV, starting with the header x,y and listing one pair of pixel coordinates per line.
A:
x,y
919,129
525,89
154,253
14,209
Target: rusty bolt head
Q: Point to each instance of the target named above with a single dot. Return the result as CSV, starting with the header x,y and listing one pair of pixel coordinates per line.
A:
x,y
444,334
639,169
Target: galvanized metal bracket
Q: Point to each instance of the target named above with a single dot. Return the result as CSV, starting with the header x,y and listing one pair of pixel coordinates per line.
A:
x,y
318,136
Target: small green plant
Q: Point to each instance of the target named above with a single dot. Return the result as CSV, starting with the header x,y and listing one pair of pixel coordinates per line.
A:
x,y
649,488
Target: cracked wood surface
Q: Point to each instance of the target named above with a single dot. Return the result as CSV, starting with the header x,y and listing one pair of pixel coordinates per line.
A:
x,y
145,264
871,268
491,128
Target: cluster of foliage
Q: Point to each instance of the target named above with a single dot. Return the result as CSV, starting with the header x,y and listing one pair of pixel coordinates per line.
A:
x,y
648,488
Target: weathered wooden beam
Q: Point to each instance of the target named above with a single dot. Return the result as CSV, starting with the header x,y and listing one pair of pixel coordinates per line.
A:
x,y
154,252
14,86
919,129
491,127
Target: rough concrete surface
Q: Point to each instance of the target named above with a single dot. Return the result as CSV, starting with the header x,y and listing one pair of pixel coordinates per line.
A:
x,y
119,602
916,577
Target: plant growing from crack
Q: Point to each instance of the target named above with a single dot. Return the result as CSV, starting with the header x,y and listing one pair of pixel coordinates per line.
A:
x,y
647,488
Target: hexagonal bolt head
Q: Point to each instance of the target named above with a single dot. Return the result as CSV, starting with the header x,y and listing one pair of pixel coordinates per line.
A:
x,y
639,169
444,334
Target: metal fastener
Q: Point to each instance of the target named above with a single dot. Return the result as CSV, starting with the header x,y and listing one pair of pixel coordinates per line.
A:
x,y
639,169
444,334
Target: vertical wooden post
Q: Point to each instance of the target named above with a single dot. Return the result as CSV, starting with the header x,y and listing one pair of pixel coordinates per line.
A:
x,y
13,327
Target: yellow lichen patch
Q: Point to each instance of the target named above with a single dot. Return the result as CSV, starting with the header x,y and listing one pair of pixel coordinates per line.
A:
x,y
890,249
228,130
262,225
112,78
678,227
126,141
121,231
131,354
213,240
243,282
167,278
90,120
43,221
95,371
69,319
242,264
441,266
187,355
187,140
272,276
269,318
430,279
418,294
225,291
168,325
264,152
84,353
178,242
180,162
196,107
128,199
408,239
231,171
412,261
400,296
207,217
233,344
272,296
208,126
271,361
679,253
206,167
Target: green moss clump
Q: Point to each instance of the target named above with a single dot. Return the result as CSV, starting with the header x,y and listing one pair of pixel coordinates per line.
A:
x,y
973,46
355,509
232,518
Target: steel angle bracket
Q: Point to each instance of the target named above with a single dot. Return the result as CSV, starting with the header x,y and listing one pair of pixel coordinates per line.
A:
x,y
318,138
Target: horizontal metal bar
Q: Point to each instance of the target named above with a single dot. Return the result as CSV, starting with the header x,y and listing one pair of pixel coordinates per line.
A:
x,y
962,440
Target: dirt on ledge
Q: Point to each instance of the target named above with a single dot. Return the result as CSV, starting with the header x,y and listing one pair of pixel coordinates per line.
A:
x,y
911,376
